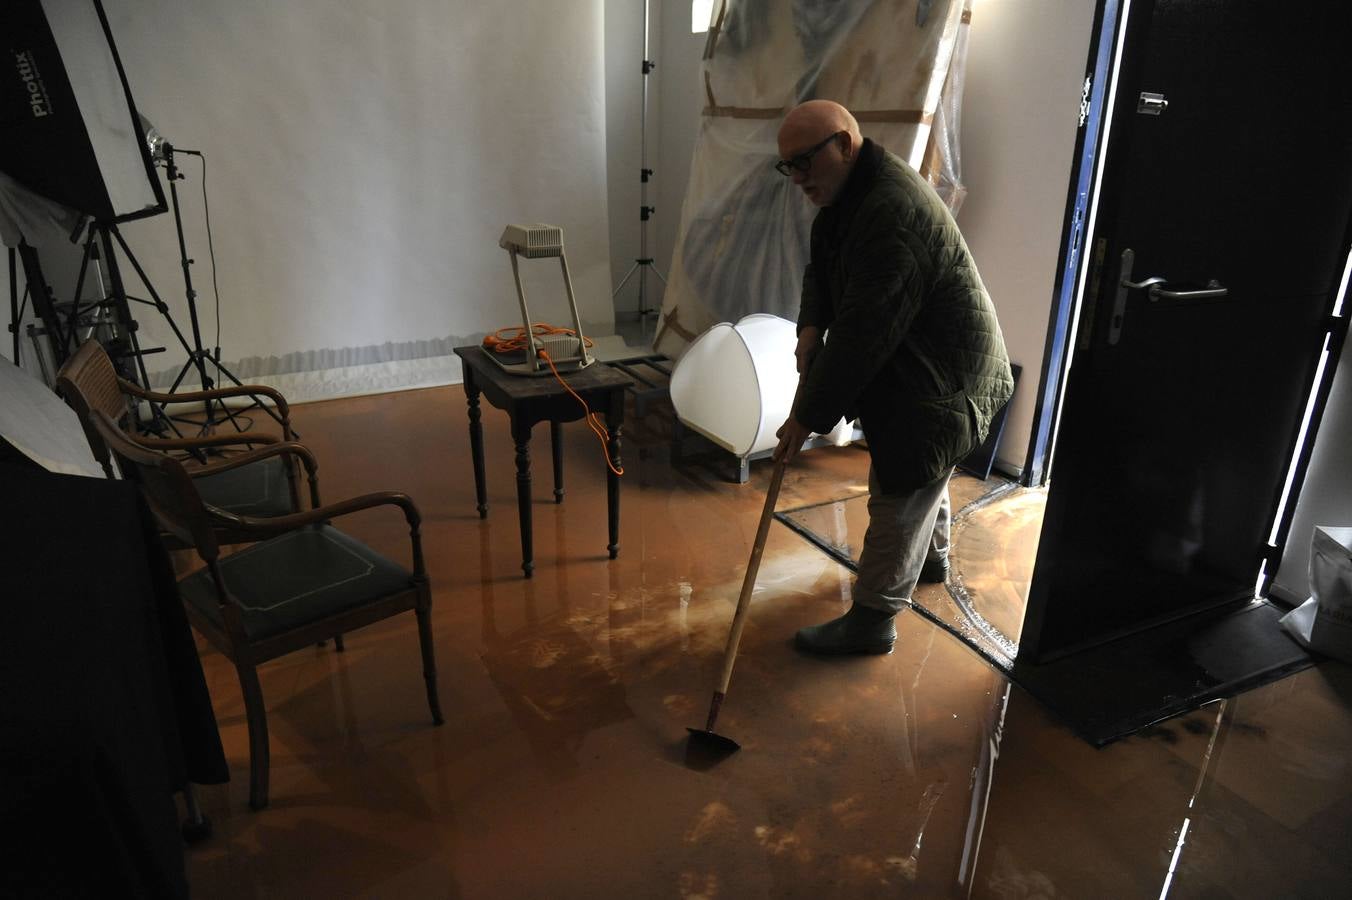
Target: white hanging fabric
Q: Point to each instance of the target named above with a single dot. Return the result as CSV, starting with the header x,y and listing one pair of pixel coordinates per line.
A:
x,y
742,241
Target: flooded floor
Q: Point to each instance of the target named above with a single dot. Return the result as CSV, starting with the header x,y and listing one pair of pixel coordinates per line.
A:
x,y
560,769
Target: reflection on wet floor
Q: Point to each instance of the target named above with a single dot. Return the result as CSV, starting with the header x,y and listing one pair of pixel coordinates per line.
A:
x,y
995,536
559,771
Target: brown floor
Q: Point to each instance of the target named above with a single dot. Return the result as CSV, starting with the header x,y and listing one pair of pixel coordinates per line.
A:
x,y
559,771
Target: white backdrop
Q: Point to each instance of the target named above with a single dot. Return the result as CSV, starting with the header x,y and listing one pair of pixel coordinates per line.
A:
x,y
363,158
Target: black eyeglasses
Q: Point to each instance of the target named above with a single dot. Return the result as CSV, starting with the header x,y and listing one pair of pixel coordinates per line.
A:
x,y
803,161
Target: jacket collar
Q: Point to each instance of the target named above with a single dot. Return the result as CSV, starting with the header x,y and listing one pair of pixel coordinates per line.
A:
x,y
857,185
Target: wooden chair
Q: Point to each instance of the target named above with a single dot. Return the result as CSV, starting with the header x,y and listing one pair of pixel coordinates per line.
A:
x,y
256,482
302,581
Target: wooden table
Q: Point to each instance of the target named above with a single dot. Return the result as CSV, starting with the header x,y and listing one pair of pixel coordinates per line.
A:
x,y
528,399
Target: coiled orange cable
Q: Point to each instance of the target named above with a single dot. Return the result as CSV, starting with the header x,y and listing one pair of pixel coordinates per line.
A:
x,y
506,340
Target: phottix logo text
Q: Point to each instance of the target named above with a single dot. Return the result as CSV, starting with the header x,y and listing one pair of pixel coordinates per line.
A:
x,y
38,101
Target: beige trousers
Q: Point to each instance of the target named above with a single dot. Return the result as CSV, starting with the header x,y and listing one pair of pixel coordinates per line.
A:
x,y
903,531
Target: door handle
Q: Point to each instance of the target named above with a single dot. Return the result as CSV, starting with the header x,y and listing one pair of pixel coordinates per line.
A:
x,y
1212,290
1139,285
1124,284
1155,289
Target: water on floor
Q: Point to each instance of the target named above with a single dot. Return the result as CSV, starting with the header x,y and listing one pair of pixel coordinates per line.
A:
x,y
560,769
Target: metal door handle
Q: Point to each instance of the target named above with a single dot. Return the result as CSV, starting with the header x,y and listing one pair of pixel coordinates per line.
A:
x,y
1155,290
1213,289
1148,283
1124,284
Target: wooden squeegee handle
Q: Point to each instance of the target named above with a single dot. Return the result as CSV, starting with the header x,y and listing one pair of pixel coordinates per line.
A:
x,y
749,582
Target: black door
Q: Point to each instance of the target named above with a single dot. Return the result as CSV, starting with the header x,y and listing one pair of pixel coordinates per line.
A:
x,y
1220,240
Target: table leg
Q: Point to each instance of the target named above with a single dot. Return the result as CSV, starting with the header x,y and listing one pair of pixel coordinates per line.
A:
x,y
556,444
476,441
614,425
521,436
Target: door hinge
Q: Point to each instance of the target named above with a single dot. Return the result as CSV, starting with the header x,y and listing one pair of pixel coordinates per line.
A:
x,y
1151,104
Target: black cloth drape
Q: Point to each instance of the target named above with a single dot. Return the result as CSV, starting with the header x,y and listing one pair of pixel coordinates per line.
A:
x,y
104,710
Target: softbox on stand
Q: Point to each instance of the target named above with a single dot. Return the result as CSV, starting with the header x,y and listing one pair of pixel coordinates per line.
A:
x,y
70,125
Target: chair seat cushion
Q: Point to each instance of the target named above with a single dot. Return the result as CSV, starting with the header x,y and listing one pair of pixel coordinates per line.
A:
x,y
258,489
298,578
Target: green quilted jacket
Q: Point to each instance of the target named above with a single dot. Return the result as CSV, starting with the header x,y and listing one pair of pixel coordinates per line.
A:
x,y
913,348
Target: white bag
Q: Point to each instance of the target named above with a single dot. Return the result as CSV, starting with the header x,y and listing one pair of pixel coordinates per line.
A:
x,y
1324,622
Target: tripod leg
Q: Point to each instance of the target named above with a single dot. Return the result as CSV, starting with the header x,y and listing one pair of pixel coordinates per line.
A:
x,y
624,281
123,310
222,370
14,314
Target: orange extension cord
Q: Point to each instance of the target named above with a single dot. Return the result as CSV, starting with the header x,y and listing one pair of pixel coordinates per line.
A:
x,y
506,340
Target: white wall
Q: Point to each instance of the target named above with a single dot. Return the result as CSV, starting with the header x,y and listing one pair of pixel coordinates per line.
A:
x,y
1326,498
363,159
1025,67
682,94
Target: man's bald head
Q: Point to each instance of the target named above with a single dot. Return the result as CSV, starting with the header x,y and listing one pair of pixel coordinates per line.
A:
x,y
808,129
812,121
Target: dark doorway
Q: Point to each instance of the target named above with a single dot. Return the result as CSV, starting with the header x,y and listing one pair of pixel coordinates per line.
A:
x,y
1207,236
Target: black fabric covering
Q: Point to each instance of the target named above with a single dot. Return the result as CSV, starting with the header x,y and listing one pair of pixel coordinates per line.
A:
x,y
259,489
104,709
296,578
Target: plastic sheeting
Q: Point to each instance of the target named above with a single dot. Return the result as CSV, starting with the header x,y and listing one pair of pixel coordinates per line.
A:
x,y
1323,623
743,236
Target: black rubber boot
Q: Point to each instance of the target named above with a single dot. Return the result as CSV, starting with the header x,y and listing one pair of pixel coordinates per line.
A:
x,y
934,571
862,630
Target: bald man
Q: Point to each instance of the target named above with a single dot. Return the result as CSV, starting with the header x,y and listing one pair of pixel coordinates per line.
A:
x,y
895,328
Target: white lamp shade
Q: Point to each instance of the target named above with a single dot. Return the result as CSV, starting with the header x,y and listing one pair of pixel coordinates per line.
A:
x,y
735,383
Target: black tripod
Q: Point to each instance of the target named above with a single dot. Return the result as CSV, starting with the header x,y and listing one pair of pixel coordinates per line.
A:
x,y
214,409
198,357
112,321
643,261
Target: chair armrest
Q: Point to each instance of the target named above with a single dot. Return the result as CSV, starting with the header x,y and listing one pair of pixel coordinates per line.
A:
x,y
209,440
277,525
285,448
293,448
242,390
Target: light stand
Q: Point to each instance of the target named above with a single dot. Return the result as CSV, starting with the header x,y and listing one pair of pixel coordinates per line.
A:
x,y
120,341
198,356
44,311
643,262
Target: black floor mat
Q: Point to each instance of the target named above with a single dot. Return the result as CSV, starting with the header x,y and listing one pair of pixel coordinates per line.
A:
x,y
1111,690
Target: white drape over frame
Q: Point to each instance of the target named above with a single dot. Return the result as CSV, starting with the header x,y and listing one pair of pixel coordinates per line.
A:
x,y
742,241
